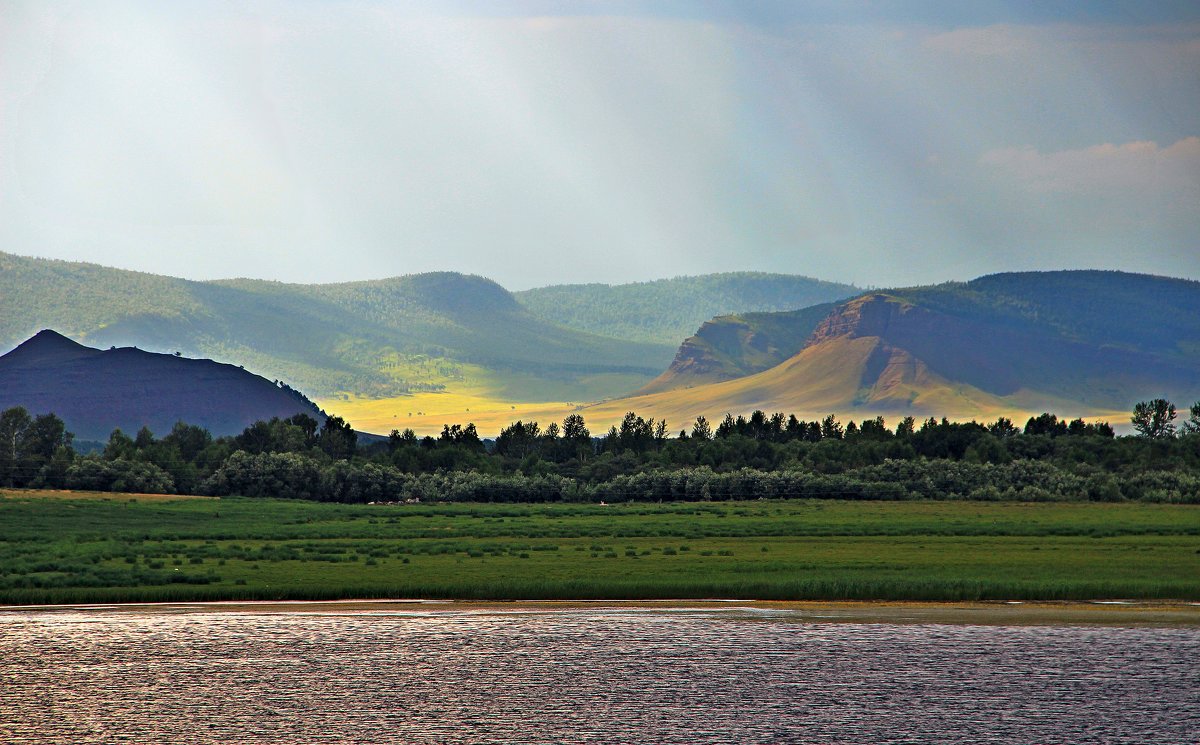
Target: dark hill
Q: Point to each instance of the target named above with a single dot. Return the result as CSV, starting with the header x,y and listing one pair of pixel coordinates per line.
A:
x,y
97,391
47,348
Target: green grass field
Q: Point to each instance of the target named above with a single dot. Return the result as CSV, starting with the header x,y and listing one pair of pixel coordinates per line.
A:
x,y
56,548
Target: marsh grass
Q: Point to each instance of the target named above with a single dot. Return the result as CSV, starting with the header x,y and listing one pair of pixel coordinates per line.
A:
x,y
60,550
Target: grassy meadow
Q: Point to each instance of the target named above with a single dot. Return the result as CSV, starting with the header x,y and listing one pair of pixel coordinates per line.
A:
x,y
58,547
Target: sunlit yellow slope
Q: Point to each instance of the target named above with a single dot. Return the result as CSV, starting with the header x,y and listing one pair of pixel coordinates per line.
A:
x,y
823,379
427,413
820,380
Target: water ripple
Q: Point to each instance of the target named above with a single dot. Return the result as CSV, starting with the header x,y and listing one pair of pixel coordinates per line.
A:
x,y
589,676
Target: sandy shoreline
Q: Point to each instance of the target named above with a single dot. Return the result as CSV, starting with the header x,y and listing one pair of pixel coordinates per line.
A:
x,y
1044,613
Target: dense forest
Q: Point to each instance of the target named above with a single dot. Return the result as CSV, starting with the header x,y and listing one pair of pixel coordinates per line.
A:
x,y
762,456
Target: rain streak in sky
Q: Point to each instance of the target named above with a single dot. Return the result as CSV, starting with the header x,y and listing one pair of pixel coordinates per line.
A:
x,y
543,142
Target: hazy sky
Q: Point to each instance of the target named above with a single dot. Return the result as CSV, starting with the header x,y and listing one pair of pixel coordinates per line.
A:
x,y
881,143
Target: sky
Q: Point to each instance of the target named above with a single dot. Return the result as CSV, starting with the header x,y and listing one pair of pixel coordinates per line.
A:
x,y
541,142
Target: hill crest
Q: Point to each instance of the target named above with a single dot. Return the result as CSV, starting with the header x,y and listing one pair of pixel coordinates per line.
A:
x,y
47,346
669,310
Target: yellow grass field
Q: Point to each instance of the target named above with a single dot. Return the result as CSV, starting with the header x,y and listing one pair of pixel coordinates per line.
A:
x,y
426,413
819,381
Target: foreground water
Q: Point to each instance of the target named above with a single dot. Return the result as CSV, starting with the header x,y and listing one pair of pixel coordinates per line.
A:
x,y
585,675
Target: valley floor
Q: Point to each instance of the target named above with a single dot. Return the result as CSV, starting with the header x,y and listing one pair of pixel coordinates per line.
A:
x,y
55,548
427,412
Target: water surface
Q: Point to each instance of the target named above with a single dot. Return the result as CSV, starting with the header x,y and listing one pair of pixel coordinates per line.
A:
x,y
585,675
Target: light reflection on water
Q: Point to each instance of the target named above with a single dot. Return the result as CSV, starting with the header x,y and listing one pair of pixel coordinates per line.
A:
x,y
585,675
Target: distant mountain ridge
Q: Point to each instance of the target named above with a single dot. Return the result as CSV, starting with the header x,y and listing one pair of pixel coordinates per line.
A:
x,y
669,310
1071,341
375,338
96,391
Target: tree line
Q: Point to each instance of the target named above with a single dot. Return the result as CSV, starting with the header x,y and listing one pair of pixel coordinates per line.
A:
x,y
760,456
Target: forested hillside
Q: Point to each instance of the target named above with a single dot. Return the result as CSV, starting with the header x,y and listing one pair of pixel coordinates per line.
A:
x,y
667,311
377,338
1142,312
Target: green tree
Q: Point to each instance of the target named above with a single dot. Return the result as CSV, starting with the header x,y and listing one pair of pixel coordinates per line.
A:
x,y
1045,424
637,434
307,425
831,429
337,438
120,445
1154,419
874,429
398,439
1192,425
144,439
1004,427
13,424
189,439
574,428
45,437
519,439
577,437
45,434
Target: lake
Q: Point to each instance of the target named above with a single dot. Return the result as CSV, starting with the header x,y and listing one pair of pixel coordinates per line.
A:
x,y
507,674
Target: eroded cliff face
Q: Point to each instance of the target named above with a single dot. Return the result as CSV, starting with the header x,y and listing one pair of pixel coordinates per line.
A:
x,y
705,358
917,344
729,347
715,338
869,315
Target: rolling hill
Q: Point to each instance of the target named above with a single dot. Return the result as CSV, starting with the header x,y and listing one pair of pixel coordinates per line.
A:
x,y
1075,342
666,311
96,391
425,350
381,338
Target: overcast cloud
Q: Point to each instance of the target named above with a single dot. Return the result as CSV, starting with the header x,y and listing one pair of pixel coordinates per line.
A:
x,y
543,142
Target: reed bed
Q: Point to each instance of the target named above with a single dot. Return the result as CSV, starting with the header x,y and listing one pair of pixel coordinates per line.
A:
x,y
105,551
